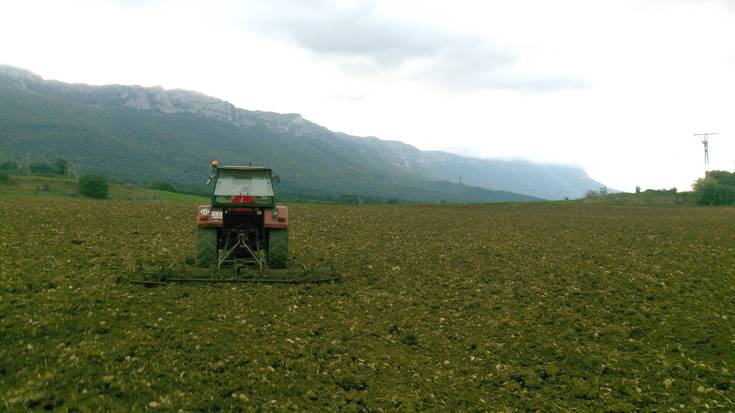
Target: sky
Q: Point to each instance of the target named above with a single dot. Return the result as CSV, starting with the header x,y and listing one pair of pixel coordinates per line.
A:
x,y
618,88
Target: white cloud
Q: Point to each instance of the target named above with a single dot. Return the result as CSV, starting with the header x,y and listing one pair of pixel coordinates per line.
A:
x,y
364,40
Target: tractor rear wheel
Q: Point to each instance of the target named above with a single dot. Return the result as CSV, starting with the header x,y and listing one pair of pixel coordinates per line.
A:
x,y
278,248
206,247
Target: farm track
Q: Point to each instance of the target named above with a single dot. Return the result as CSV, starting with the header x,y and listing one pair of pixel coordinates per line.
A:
x,y
446,308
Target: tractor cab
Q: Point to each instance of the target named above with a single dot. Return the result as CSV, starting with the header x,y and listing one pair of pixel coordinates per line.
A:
x,y
242,186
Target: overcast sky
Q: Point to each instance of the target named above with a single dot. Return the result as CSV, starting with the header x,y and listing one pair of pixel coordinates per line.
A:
x,y
616,87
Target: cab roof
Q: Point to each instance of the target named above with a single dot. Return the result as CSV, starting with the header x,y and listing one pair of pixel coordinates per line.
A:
x,y
244,168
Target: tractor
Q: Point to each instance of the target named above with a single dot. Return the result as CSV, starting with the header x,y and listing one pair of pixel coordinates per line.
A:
x,y
242,226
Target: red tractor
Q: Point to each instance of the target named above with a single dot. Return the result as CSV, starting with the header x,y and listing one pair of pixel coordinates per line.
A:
x,y
242,226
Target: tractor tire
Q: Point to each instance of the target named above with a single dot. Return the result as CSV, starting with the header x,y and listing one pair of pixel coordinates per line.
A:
x,y
206,247
278,248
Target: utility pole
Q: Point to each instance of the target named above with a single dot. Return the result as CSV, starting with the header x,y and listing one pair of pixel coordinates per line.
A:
x,y
705,142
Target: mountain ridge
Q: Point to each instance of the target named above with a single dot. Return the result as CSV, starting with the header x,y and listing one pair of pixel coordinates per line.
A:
x,y
398,161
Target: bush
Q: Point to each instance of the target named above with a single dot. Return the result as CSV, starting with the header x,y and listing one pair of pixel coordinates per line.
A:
x,y
5,179
711,191
93,186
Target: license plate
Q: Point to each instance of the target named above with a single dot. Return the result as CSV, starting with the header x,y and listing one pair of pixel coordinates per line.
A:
x,y
216,214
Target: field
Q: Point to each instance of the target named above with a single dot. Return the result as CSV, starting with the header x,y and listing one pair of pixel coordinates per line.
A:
x,y
548,307
51,188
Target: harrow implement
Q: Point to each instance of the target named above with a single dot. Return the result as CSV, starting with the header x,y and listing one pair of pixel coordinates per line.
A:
x,y
154,275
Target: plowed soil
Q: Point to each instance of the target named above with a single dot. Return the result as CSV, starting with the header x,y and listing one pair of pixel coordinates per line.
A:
x,y
443,308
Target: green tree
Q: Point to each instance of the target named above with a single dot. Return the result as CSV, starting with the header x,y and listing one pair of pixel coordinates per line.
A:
x,y
41,168
93,186
722,177
717,188
9,166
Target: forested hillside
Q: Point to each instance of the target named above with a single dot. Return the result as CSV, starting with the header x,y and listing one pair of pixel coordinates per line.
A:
x,y
139,135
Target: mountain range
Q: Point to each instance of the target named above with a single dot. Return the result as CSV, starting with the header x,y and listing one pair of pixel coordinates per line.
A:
x,y
137,134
